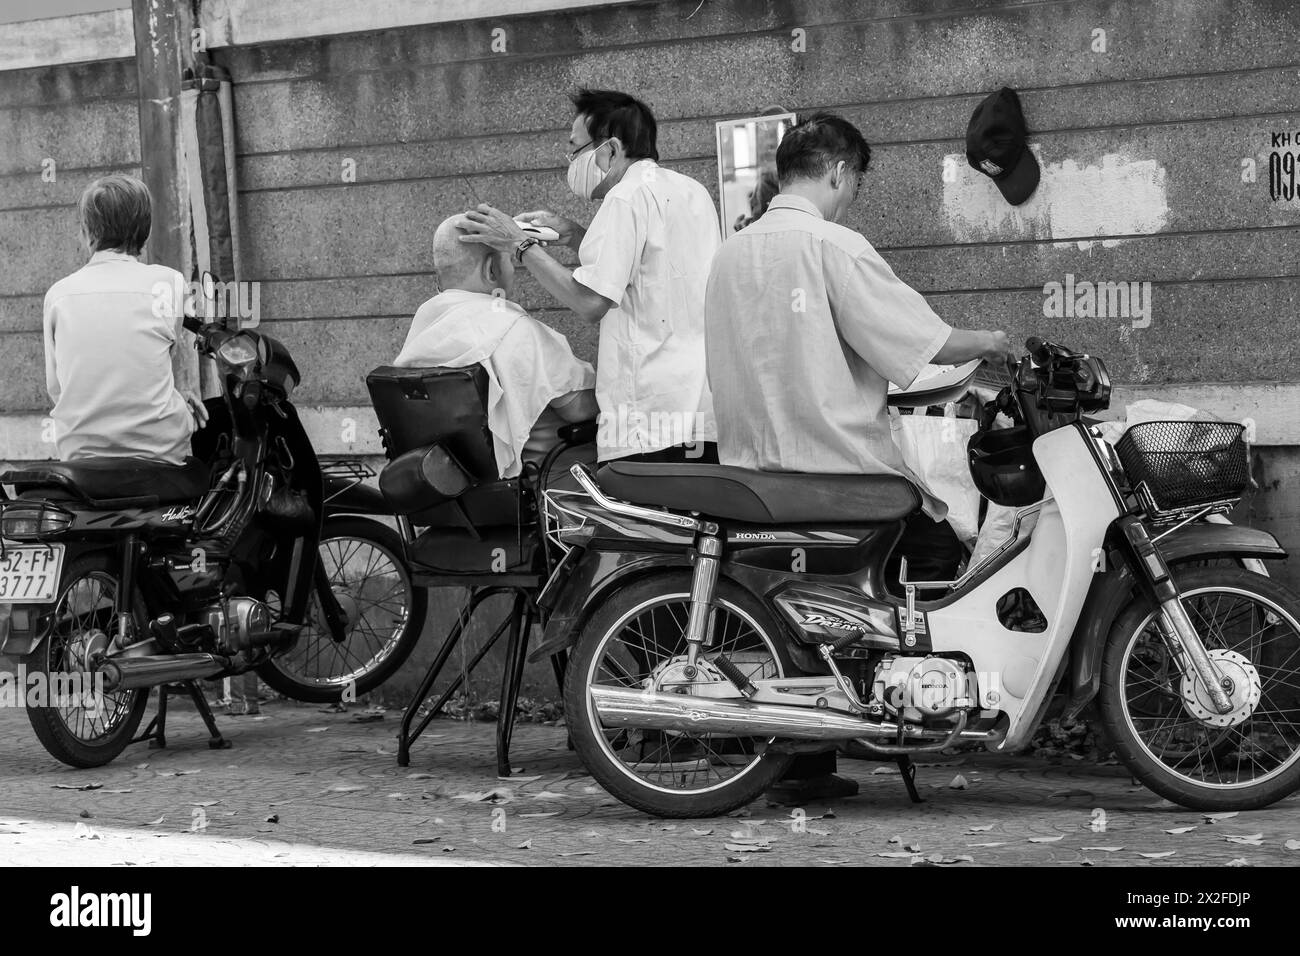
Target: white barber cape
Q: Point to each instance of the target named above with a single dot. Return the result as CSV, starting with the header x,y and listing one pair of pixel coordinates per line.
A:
x,y
528,364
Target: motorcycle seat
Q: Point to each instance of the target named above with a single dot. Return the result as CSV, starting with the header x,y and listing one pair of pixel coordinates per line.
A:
x,y
761,497
117,478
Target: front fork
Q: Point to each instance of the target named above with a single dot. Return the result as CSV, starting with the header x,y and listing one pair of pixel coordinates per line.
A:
x,y
1175,626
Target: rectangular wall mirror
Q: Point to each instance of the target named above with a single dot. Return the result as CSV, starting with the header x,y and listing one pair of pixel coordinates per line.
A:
x,y
747,167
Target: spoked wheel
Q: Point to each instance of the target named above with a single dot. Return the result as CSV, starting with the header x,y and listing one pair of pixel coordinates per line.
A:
x,y
74,720
637,639
1162,723
383,615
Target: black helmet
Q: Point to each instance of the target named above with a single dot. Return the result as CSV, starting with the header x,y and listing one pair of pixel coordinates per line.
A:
x,y
1003,467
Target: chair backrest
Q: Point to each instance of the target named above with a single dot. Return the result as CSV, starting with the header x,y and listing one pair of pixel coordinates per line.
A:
x,y
419,406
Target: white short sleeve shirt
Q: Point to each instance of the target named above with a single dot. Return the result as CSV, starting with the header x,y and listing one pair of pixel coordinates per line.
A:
x,y
648,250
110,329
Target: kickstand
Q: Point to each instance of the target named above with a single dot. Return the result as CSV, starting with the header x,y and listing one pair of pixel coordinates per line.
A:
x,y
156,732
908,771
215,740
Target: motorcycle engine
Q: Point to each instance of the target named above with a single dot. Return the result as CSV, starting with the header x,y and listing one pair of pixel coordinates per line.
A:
x,y
239,623
920,688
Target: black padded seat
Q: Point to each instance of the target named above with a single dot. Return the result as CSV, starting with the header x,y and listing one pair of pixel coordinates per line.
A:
x,y
761,497
108,478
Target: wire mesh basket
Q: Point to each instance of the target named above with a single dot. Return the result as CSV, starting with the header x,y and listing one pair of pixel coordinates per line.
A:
x,y
1186,464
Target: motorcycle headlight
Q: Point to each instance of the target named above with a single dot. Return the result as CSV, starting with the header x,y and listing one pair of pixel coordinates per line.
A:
x,y
238,351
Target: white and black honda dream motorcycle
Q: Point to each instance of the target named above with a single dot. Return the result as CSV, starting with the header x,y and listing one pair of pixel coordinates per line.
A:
x,y
721,620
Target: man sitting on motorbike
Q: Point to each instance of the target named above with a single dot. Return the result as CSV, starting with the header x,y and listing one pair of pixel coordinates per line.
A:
x,y
536,383
806,327
110,330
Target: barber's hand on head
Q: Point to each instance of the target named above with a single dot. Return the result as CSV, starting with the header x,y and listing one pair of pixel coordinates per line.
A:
x,y
568,229
197,410
491,227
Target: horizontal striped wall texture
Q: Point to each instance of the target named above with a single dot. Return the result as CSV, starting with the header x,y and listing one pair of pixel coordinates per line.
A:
x,y
1142,149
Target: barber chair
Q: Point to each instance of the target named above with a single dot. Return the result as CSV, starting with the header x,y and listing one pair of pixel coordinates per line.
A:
x,y
464,526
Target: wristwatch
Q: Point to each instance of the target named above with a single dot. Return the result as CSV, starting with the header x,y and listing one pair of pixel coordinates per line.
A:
x,y
523,246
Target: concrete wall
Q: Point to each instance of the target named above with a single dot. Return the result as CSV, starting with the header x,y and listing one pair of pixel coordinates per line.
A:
x,y
1143,148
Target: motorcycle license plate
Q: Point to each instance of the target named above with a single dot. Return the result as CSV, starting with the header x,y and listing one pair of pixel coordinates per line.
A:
x,y
30,574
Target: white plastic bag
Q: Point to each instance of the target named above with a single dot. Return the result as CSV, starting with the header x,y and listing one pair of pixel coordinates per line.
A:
x,y
934,448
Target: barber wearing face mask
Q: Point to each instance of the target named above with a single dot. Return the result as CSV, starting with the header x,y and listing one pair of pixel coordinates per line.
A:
x,y
644,262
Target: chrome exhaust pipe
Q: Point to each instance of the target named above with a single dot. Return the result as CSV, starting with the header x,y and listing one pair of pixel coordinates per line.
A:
x,y
132,673
646,710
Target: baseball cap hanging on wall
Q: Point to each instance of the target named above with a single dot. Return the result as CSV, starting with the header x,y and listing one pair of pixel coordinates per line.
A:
x,y
995,145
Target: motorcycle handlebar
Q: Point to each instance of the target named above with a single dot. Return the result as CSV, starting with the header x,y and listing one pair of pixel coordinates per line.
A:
x,y
1039,350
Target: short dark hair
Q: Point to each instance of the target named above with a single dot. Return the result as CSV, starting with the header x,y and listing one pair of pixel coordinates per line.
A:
x,y
116,213
610,113
813,147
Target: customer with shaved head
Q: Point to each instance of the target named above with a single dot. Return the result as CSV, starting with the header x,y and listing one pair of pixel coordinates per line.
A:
x,y
535,382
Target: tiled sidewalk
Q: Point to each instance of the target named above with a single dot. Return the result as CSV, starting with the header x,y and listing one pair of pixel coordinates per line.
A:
x,y
332,785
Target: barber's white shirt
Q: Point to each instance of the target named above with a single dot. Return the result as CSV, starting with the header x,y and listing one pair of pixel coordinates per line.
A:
x,y
110,328
648,249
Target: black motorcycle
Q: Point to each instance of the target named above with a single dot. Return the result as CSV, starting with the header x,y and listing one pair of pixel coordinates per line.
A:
x,y
121,575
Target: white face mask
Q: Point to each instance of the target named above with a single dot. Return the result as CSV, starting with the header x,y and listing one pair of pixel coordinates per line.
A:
x,y
584,174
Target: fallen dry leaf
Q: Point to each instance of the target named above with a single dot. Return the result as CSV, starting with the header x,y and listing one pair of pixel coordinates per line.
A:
x,y
537,816
578,853
897,855
526,845
315,730
1239,861
1254,839
83,832
495,795
1046,839
425,840
1293,844
958,783
521,780
1216,817
1177,830
70,786
983,829
982,845
156,823
747,847
1158,856
1103,849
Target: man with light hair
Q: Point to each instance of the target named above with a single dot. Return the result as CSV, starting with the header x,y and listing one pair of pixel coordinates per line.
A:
x,y
535,382
109,340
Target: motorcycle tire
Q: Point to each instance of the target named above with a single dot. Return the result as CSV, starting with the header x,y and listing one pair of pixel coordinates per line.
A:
x,y
97,576
281,673
589,740
1140,757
